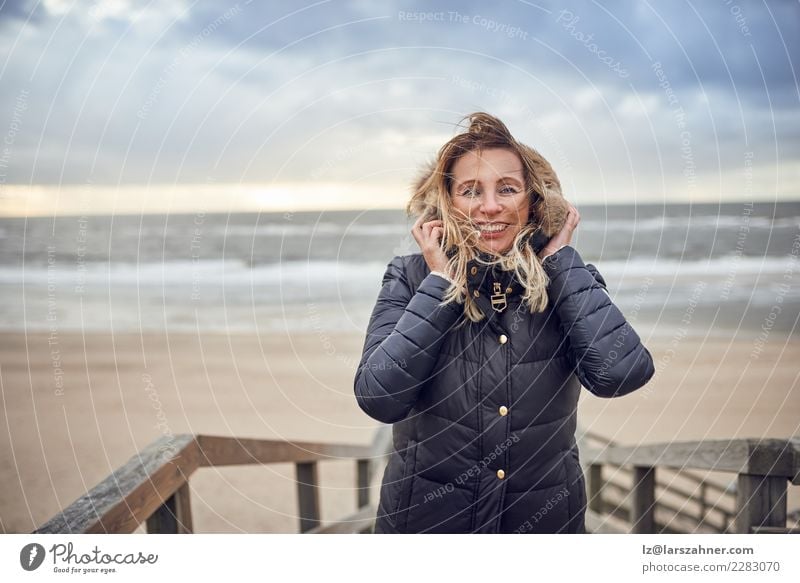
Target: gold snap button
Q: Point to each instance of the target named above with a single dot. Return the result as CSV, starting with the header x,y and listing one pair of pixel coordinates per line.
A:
x,y
501,474
509,290
476,293
503,410
503,339
474,270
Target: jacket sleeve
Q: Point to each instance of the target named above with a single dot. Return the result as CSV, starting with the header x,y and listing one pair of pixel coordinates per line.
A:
x,y
404,336
610,358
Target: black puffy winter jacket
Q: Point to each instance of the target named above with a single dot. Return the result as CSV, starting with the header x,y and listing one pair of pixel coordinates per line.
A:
x,y
485,415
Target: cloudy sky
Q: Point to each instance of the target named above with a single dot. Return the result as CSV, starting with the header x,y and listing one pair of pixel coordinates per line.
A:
x,y
126,104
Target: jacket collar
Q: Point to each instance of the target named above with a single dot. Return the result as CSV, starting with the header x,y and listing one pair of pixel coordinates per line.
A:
x,y
491,287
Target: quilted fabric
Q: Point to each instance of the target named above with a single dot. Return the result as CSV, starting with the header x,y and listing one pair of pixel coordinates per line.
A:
x,y
484,415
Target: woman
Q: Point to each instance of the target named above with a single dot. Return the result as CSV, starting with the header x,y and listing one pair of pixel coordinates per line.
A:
x,y
477,348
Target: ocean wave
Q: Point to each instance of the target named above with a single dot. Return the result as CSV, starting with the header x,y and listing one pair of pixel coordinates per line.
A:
x,y
184,272
722,222
310,230
237,272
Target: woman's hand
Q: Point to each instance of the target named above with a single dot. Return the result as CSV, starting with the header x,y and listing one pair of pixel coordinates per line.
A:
x,y
428,236
564,236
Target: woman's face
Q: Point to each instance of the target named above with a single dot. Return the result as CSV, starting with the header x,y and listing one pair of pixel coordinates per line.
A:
x,y
488,188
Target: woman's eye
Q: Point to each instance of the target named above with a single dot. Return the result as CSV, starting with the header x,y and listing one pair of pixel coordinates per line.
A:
x,y
506,191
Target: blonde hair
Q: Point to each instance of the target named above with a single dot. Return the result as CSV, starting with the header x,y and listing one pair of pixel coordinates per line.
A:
x,y
431,195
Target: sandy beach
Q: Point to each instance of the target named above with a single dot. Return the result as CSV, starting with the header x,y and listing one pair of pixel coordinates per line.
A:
x,y
76,407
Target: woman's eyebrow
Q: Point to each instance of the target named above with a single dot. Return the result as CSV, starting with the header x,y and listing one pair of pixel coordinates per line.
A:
x,y
505,178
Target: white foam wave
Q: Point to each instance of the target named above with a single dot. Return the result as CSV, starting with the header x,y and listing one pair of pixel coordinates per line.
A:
x,y
320,272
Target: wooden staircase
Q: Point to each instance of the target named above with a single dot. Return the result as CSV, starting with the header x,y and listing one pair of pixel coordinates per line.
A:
x,y
650,488
713,486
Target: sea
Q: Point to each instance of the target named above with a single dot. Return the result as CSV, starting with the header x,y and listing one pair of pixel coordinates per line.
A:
x,y
673,269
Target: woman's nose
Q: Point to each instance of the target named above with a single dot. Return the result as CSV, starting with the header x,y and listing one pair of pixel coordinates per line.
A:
x,y
490,204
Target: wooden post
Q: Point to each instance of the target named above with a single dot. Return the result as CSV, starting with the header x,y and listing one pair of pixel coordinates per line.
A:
x,y
596,488
701,518
643,500
174,516
183,510
362,483
307,495
760,501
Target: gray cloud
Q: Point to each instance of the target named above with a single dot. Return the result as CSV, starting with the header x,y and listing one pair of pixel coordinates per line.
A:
x,y
358,90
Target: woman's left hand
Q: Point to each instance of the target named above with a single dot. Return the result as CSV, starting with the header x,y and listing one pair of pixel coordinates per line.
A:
x,y
564,236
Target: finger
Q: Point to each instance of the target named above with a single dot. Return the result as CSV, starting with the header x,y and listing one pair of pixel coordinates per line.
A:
x,y
427,226
436,235
433,223
573,215
424,234
416,230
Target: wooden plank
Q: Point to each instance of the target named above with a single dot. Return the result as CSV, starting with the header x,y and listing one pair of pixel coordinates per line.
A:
x,y
174,516
183,509
619,496
596,488
121,502
773,530
700,499
162,521
795,442
597,523
584,436
231,451
688,475
769,457
357,522
643,500
703,510
760,501
153,483
307,495
363,482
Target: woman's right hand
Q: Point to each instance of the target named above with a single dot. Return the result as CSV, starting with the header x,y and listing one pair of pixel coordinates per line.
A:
x,y
428,235
564,236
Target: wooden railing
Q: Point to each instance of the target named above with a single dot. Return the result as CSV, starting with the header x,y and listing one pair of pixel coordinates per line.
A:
x,y
153,486
666,491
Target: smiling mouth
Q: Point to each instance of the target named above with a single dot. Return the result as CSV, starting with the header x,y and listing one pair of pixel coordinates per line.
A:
x,y
492,227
